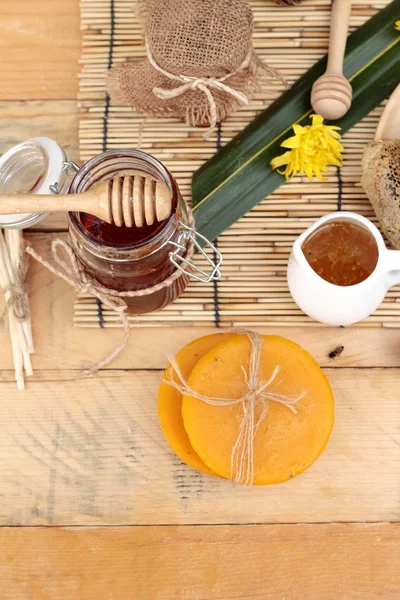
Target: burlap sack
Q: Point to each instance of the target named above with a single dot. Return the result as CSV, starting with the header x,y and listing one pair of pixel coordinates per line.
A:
x,y
196,48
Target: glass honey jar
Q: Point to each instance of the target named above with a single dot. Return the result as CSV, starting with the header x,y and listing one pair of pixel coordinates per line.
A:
x,y
135,259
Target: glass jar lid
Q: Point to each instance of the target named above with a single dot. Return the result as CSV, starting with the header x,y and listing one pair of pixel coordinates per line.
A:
x,y
37,166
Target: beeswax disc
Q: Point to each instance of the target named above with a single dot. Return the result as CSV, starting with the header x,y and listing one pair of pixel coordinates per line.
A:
x,y
285,444
170,400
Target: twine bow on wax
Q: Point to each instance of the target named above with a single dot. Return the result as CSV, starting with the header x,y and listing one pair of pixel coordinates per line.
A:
x,y
257,397
204,84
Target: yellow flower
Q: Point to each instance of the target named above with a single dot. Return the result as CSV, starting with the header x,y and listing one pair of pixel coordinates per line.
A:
x,y
312,149
397,25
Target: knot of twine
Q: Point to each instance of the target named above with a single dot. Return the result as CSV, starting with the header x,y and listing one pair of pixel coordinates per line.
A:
x,y
73,273
17,300
255,400
204,84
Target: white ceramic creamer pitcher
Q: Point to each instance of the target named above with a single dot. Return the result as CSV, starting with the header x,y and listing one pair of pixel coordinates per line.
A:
x,y
341,305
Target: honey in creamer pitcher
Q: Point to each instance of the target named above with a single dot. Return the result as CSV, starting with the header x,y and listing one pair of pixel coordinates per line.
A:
x,y
341,252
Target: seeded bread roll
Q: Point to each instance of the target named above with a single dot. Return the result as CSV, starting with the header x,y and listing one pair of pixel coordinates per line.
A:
x,y
381,182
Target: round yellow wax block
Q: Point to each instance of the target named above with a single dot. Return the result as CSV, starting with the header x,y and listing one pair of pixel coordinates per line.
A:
x,y
170,400
285,444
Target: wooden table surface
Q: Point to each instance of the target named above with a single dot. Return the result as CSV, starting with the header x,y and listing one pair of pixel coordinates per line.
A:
x,y
93,505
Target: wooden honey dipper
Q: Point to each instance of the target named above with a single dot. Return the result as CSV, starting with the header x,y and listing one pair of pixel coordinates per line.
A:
x,y
331,94
129,200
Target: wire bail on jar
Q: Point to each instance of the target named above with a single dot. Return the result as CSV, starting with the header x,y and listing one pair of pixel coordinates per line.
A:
x,y
67,165
177,256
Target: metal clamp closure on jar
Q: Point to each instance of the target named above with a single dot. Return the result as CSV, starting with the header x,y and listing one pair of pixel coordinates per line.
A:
x,y
68,166
177,256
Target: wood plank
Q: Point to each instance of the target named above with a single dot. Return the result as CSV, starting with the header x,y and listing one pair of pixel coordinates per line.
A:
x,y
40,45
291,562
56,119
61,346
77,451
55,222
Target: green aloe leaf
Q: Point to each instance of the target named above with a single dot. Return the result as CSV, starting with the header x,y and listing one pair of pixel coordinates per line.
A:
x,y
235,179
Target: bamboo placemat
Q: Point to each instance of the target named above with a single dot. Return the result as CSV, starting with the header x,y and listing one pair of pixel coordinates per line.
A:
x,y
253,290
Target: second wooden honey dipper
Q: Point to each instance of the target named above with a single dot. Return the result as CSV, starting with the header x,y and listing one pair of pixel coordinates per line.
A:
x,y
331,94
131,200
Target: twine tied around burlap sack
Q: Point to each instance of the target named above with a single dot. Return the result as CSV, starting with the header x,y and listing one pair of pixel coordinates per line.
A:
x,y
257,397
74,274
203,84
200,64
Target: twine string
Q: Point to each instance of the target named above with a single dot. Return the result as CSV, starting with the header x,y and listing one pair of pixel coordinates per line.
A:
x,y
254,400
204,84
17,301
73,273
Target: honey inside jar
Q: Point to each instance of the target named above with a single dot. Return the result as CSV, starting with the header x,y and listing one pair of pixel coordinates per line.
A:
x,y
341,252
